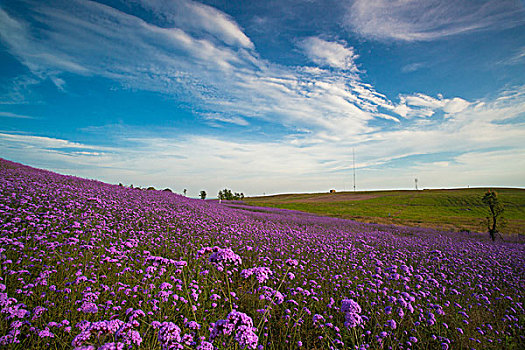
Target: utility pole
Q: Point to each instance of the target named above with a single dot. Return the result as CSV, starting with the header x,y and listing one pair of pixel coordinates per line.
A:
x,y
353,162
415,180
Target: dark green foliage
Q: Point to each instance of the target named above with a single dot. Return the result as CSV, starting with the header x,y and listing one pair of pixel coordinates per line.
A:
x,y
228,195
203,194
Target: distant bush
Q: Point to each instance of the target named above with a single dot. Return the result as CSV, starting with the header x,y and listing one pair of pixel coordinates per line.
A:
x,y
203,194
168,190
228,195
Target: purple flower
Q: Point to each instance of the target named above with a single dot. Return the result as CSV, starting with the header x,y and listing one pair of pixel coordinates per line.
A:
x,y
292,262
262,274
351,309
241,324
193,325
45,333
391,323
349,305
112,346
246,337
37,312
169,335
88,308
272,295
205,346
352,320
223,257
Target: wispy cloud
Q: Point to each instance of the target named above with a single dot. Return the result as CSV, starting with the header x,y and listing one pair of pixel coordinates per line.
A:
x,y
15,115
470,147
328,53
225,119
421,105
430,19
201,55
199,19
219,71
43,142
517,58
412,67
21,91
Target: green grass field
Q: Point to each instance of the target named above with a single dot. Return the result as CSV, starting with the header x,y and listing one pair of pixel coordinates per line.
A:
x,y
450,209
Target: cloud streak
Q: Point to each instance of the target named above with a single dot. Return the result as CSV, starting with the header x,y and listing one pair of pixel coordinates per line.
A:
x,y
471,147
15,115
218,70
200,55
427,20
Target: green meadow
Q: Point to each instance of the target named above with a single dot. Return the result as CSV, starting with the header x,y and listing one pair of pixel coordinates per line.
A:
x,y
447,209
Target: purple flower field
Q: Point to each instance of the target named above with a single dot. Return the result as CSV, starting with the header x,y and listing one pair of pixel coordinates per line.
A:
x,y
87,265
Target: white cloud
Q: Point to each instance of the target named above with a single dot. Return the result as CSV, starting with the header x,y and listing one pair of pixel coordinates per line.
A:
x,y
224,77
198,18
326,113
472,148
455,105
422,106
42,142
226,119
15,115
329,53
430,19
412,67
517,58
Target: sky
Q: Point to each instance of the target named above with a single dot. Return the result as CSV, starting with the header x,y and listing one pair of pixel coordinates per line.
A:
x,y
266,97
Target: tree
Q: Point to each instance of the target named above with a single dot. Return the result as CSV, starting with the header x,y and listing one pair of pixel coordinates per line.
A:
x,y
495,211
203,194
185,190
228,195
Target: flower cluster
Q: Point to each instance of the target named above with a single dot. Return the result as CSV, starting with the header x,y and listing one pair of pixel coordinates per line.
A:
x,y
262,274
170,336
107,329
352,312
222,257
241,324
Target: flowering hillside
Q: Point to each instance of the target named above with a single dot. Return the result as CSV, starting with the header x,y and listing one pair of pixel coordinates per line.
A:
x,y
87,265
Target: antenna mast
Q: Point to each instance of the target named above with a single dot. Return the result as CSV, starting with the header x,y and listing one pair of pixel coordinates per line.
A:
x,y
353,163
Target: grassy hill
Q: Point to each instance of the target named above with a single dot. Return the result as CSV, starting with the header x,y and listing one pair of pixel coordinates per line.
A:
x,y
448,209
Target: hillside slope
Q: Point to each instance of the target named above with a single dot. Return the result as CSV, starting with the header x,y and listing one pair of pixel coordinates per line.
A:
x,y
92,266
446,209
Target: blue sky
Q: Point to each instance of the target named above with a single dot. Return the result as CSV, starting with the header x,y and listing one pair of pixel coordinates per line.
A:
x,y
266,96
